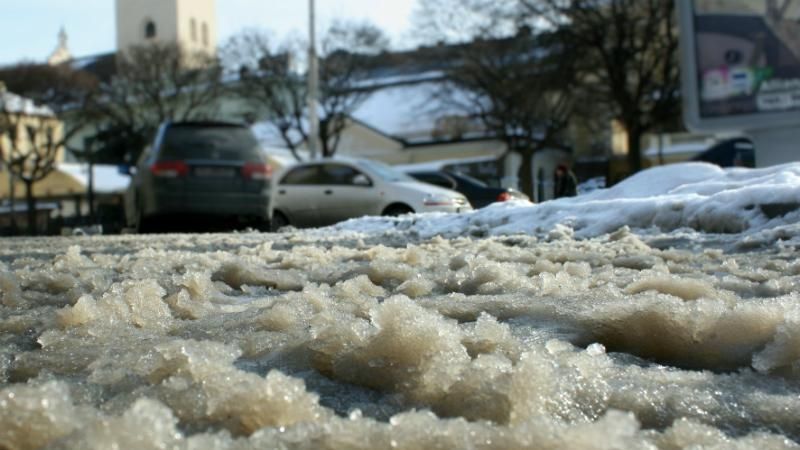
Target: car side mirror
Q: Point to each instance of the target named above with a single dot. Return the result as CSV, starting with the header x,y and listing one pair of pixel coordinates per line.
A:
x,y
361,180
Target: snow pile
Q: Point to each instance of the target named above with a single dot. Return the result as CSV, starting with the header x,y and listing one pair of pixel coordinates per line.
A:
x,y
699,196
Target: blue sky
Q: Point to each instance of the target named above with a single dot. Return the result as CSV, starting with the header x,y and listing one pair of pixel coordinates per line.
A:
x,y
29,28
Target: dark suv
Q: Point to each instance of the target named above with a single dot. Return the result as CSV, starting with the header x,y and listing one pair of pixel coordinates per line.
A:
x,y
199,170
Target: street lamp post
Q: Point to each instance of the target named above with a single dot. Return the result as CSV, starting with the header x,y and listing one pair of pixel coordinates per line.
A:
x,y
313,85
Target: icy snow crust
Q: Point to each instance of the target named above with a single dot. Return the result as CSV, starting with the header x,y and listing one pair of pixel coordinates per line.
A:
x,y
699,196
394,339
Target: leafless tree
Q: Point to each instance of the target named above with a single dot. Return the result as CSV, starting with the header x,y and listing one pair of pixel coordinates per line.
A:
x,y
519,82
630,58
459,21
269,82
38,95
522,89
152,84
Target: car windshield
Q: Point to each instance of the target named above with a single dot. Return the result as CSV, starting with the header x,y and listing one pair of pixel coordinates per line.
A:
x,y
225,143
468,179
384,172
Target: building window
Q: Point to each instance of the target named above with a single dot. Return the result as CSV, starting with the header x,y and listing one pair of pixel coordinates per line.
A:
x,y
193,29
205,34
150,30
31,134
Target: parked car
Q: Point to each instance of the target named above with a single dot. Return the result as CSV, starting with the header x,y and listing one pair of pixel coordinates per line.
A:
x,y
324,192
735,152
215,170
479,193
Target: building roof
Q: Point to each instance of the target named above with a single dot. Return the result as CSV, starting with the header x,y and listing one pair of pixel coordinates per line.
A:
x,y
15,104
404,111
103,66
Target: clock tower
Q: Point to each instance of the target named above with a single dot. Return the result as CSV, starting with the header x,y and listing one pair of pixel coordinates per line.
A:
x,y
190,23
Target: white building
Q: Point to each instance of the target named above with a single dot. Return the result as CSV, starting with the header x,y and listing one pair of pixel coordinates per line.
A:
x,y
190,23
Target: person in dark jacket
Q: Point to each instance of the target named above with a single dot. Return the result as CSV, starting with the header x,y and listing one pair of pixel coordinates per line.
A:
x,y
565,184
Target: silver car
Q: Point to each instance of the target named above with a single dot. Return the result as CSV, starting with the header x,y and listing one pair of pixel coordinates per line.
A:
x,y
325,192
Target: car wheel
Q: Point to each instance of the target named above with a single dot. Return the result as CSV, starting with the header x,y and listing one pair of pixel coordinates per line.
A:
x,y
278,221
397,210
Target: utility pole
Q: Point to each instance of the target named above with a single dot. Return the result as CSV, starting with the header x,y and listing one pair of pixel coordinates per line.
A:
x,y
313,84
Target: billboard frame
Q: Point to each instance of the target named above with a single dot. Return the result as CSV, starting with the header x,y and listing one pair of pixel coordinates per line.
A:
x,y
690,90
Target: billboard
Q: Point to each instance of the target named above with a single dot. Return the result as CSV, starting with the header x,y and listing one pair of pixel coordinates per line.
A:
x,y
741,63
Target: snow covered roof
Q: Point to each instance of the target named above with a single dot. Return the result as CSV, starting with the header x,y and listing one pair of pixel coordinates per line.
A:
x,y
407,111
696,196
404,78
15,104
107,179
403,111
404,108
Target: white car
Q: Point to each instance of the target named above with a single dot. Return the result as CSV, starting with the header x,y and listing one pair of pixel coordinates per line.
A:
x,y
325,192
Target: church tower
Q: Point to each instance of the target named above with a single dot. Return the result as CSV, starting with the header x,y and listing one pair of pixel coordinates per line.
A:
x,y
190,23
61,54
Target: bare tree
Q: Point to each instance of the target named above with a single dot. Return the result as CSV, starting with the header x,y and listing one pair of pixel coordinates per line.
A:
x,y
459,21
29,118
522,89
347,62
152,84
519,82
271,85
267,82
629,58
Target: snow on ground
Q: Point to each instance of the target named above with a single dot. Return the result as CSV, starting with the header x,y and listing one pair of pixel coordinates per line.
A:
x,y
699,196
508,329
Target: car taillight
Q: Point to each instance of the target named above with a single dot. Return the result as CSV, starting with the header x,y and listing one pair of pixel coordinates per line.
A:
x,y
169,169
257,171
504,197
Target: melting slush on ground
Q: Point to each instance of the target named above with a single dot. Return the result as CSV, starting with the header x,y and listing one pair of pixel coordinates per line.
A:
x,y
494,332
